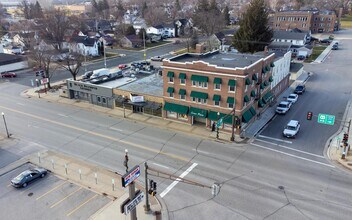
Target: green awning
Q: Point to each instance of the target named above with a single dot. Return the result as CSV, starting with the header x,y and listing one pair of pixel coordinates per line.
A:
x,y
176,108
182,76
247,116
252,110
182,92
267,97
248,81
199,78
271,79
246,99
230,100
216,98
232,82
252,93
264,70
200,95
272,64
217,81
260,103
264,101
197,112
227,119
170,90
266,83
262,86
254,77
170,74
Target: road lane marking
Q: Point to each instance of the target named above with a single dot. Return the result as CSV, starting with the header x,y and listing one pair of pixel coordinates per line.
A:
x,y
289,148
200,151
115,129
174,183
291,155
9,185
56,187
80,206
161,165
62,115
275,139
63,199
174,156
18,103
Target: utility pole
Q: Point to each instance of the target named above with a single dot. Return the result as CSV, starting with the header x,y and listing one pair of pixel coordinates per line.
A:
x,y
145,52
132,189
217,126
147,205
7,131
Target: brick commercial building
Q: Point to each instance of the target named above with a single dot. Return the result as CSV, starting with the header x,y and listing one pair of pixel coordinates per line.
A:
x,y
313,21
205,88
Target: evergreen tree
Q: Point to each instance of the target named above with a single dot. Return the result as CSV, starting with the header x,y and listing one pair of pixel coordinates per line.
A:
x,y
130,30
226,15
254,32
25,8
144,8
140,34
194,40
38,11
120,6
177,5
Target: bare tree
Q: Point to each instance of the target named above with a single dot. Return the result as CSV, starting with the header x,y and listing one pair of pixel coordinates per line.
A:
x,y
155,16
73,62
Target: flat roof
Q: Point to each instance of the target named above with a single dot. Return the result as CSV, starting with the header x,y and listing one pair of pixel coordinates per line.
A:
x,y
150,85
117,82
229,59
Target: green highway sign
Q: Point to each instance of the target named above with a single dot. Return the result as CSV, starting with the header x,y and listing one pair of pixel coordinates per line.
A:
x,y
218,124
326,119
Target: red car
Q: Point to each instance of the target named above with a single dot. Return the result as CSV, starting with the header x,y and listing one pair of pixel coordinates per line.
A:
x,y
122,66
8,75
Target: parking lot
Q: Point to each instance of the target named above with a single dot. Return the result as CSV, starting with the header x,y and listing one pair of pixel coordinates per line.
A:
x,y
47,198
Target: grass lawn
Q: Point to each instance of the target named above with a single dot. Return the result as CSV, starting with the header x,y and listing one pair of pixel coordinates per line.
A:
x,y
149,45
316,52
184,50
346,22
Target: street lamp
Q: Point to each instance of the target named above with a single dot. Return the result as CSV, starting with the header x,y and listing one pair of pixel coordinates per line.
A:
x,y
123,105
217,126
37,81
7,131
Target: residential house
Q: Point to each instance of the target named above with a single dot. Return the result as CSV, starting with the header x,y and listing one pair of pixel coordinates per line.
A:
x,y
279,48
182,26
13,50
85,45
207,88
296,38
281,73
98,25
10,62
169,30
139,24
131,41
158,29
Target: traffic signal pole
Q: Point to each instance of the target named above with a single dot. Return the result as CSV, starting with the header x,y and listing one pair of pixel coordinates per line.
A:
x,y
147,205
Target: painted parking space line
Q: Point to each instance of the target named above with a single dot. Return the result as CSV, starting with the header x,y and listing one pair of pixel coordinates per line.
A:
x,y
200,151
174,183
53,189
156,164
115,129
63,199
81,205
275,139
291,155
289,148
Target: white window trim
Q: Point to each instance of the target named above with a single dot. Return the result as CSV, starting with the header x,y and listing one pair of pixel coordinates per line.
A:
x,y
230,90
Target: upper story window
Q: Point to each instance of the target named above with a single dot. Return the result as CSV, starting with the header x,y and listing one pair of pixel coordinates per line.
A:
x,y
232,85
182,77
217,84
170,76
199,81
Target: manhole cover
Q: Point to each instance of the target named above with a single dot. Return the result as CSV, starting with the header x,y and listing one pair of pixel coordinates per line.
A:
x,y
281,187
30,194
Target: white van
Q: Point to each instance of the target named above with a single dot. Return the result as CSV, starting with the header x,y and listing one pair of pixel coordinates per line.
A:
x,y
291,129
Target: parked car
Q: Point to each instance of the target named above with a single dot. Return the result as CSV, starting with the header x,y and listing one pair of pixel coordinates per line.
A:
x,y
28,176
144,62
292,98
325,41
87,74
8,75
300,89
301,57
156,58
335,47
291,129
283,107
122,66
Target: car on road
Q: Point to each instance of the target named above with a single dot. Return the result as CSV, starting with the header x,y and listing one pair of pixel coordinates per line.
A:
x,y
325,41
8,75
300,89
335,47
292,98
87,74
122,66
291,129
27,176
283,107
157,58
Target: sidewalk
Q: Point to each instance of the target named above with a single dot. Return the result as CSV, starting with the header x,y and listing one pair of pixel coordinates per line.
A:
x,y
269,114
94,178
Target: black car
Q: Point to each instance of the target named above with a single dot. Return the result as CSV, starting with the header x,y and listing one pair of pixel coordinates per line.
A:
x,y
28,176
325,41
87,75
300,89
335,47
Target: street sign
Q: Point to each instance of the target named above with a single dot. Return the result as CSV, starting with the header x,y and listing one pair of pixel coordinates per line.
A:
x,y
219,123
44,81
129,205
129,177
326,119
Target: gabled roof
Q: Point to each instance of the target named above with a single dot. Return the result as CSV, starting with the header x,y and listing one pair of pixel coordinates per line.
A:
x,y
133,38
84,40
289,35
220,35
159,26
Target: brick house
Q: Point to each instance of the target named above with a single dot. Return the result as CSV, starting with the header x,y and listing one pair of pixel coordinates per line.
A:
x,y
204,88
306,20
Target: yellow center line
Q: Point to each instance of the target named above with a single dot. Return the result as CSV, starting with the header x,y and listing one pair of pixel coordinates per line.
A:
x,y
57,203
99,135
82,204
56,187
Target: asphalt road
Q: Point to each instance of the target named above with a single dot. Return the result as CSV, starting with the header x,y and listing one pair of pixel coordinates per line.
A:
x,y
256,182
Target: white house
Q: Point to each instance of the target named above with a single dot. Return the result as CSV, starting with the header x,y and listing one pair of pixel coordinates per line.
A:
x,y
169,30
296,38
159,29
85,45
165,30
281,73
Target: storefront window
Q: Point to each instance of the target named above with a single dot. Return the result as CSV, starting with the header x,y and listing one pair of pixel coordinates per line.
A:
x,y
171,114
98,99
182,117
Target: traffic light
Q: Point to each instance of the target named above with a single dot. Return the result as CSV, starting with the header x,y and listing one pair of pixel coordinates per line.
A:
x,y
152,188
309,115
345,137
